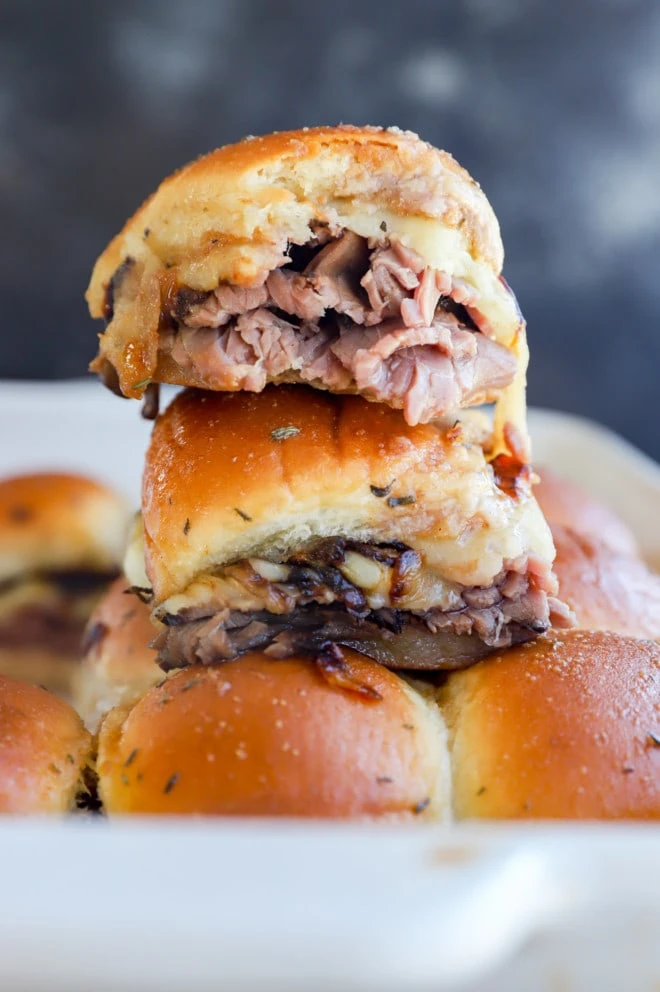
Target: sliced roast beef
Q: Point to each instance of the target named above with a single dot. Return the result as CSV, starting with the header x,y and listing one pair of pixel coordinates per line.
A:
x,y
427,371
392,275
435,370
419,643
350,316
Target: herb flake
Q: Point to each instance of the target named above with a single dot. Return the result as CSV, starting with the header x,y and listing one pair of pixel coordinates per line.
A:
x,y
171,782
131,758
186,526
143,383
421,806
401,500
382,491
282,433
243,515
143,593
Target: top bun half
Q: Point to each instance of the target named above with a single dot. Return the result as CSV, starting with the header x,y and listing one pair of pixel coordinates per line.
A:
x,y
231,215
59,522
233,475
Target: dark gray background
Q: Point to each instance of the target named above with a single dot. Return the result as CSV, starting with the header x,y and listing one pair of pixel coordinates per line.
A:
x,y
553,105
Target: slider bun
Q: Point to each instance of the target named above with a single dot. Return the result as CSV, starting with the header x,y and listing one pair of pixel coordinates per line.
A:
x,y
224,215
558,728
258,737
118,665
567,505
218,486
230,216
59,522
44,750
606,589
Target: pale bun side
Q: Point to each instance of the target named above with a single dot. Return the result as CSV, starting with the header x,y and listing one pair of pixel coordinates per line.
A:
x,y
231,215
59,522
118,665
232,475
44,750
559,728
606,589
258,737
565,504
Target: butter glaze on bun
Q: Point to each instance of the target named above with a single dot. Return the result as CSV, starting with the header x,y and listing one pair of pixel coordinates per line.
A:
x,y
559,728
257,737
44,750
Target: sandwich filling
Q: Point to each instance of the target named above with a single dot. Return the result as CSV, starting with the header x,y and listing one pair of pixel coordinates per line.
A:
x,y
378,599
344,313
49,609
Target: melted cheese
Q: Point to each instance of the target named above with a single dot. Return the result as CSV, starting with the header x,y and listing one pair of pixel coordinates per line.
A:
x,y
445,249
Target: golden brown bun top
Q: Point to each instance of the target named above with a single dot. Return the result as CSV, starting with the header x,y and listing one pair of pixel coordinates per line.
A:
x,y
560,727
59,522
217,201
606,589
568,505
230,475
43,750
118,665
262,737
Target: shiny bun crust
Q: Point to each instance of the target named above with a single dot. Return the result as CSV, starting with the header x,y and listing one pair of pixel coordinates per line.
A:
x,y
606,589
567,505
229,475
118,665
561,727
44,750
258,737
59,522
224,215
230,216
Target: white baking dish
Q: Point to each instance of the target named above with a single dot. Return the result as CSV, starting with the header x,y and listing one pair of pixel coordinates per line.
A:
x,y
271,905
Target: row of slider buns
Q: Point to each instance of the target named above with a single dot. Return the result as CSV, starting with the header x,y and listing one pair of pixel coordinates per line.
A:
x,y
341,556
566,726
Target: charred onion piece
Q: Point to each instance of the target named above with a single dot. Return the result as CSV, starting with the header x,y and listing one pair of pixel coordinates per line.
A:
x,y
334,668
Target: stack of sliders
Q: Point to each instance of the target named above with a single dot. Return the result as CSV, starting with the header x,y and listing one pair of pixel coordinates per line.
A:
x,y
347,572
